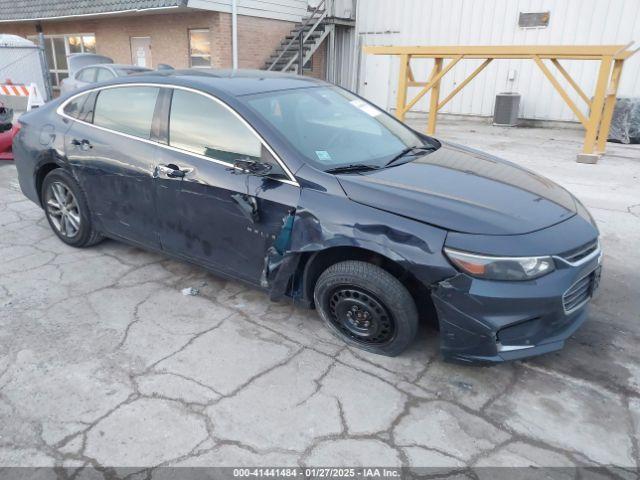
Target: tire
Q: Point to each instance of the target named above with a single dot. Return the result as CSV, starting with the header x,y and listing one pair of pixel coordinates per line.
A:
x,y
385,318
72,223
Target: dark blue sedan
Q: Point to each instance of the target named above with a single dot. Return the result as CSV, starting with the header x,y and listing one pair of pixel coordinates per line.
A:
x,y
310,192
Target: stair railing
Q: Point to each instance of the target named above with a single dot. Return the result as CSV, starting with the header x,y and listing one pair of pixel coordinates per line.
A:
x,y
301,38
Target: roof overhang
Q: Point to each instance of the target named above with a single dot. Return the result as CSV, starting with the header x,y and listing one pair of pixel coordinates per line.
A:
x,y
98,15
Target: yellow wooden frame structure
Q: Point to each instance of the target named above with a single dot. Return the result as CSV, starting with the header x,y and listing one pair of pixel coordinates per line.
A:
x,y
597,120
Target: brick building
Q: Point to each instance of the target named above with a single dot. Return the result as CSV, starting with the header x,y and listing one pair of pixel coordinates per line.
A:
x,y
181,33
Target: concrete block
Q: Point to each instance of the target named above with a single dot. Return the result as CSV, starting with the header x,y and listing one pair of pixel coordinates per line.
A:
x,y
588,157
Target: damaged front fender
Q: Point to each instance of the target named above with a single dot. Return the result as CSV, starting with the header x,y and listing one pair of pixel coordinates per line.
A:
x,y
324,221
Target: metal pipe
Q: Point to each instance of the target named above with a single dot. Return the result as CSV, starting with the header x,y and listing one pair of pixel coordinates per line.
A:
x,y
46,77
330,70
234,34
301,53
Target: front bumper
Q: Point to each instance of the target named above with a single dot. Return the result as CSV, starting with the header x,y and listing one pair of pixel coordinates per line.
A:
x,y
490,322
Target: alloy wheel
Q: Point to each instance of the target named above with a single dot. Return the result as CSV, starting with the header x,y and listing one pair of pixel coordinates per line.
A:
x,y
63,209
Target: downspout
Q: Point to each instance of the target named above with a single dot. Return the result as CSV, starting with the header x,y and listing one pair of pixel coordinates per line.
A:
x,y
356,52
234,34
48,93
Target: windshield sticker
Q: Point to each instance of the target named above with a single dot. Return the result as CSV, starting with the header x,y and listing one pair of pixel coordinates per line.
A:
x,y
366,108
323,155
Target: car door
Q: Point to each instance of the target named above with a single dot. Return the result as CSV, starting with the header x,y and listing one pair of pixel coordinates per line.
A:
x,y
211,212
113,153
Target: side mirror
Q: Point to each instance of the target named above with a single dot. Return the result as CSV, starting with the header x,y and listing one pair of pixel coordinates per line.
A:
x,y
252,167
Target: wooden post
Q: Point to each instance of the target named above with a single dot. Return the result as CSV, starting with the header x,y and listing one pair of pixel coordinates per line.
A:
x,y
434,79
596,106
563,93
464,83
403,79
609,106
571,81
601,106
434,99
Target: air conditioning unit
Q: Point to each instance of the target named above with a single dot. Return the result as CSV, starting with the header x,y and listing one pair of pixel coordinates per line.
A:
x,y
505,113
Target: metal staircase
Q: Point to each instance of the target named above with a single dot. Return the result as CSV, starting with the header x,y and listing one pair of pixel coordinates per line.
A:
x,y
302,42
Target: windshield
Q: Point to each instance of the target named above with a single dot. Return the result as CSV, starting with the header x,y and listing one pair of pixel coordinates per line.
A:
x,y
331,127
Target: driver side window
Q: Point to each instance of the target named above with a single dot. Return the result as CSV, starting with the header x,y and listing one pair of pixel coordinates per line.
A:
x,y
200,125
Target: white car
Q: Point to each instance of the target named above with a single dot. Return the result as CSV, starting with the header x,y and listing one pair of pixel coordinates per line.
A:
x,y
88,68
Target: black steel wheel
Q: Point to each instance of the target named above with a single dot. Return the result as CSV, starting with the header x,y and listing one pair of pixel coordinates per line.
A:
x,y
66,209
360,315
367,307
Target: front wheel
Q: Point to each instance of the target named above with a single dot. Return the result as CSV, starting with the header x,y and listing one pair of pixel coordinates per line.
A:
x,y
367,307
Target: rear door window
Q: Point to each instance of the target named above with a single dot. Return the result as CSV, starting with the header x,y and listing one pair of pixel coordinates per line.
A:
x,y
87,75
104,74
82,107
127,110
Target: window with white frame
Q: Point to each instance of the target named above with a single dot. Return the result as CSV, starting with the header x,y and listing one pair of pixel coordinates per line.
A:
x,y
58,47
199,48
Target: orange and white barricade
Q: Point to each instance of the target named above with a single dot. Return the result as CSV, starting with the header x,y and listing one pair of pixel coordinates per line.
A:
x,y
31,91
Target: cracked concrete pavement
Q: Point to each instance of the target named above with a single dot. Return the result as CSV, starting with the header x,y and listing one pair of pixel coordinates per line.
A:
x,y
104,363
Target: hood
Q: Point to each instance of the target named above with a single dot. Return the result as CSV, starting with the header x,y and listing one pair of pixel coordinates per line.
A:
x,y
464,190
76,61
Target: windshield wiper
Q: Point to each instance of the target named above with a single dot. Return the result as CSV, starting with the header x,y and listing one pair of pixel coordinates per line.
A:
x,y
354,167
410,150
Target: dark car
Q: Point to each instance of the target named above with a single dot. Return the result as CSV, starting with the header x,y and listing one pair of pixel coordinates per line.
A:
x,y
307,191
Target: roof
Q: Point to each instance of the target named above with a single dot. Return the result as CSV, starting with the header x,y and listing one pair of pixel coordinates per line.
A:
x,y
127,66
232,82
10,10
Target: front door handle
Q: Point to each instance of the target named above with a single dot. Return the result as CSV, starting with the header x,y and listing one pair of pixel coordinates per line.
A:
x,y
172,171
84,144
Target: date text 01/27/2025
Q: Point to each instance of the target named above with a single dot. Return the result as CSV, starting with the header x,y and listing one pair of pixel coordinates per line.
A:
x,y
318,472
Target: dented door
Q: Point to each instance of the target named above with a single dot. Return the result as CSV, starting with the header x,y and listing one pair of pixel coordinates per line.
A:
x,y
203,215
199,219
209,211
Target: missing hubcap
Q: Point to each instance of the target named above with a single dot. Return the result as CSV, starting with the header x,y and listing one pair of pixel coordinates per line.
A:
x,y
361,316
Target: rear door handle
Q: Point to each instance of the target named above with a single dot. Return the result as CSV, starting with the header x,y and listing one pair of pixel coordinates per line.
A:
x,y
84,144
172,171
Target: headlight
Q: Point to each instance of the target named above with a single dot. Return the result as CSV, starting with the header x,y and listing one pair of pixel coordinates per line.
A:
x,y
500,268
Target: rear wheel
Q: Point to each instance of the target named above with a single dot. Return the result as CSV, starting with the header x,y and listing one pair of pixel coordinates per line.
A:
x,y
67,211
367,307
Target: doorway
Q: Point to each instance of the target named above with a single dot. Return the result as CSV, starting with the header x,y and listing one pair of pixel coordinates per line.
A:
x,y
375,83
141,51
